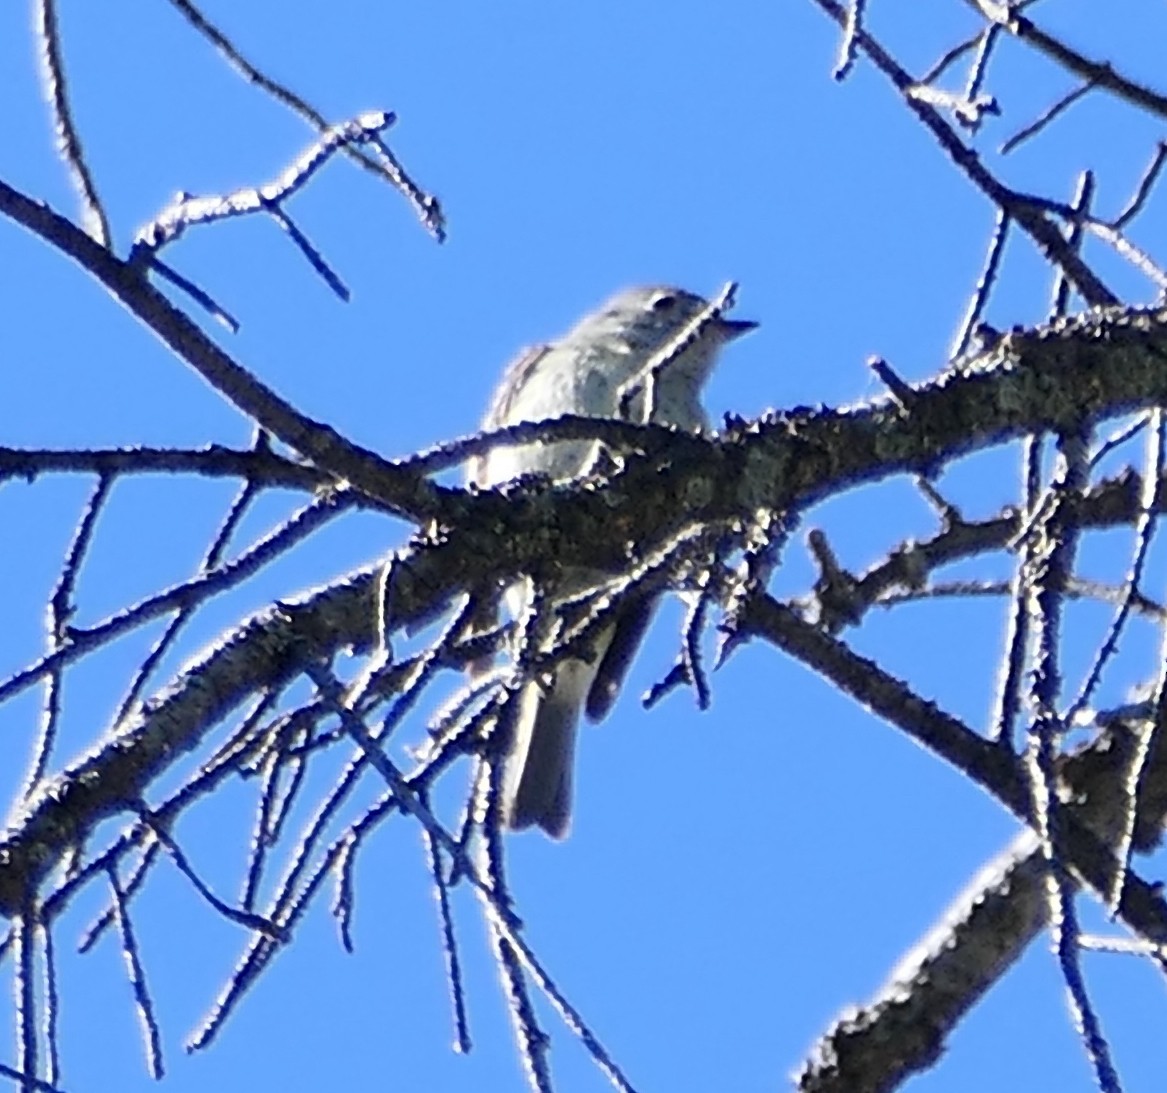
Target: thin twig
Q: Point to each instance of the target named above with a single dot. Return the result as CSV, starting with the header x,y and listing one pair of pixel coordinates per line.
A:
x,y
1044,119
187,211
131,954
247,496
1145,186
27,1031
194,591
643,383
847,51
426,206
1145,528
1102,73
61,610
93,218
984,286
457,987
1045,234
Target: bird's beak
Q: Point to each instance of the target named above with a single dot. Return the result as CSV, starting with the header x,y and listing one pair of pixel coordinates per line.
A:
x,y
735,328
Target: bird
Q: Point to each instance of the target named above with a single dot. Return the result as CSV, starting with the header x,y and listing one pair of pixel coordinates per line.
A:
x,y
590,371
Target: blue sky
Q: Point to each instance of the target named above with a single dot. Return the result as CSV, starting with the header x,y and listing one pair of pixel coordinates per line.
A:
x,y
734,878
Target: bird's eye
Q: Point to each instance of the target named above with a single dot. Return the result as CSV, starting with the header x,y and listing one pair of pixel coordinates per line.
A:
x,y
664,302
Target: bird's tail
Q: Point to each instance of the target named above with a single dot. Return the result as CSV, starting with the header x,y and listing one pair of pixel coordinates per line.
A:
x,y
537,787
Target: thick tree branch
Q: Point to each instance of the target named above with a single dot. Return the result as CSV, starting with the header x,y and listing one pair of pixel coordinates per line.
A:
x,y
1095,366
902,1030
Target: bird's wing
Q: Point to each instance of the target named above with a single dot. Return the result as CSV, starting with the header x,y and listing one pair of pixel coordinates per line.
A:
x,y
631,623
514,380
502,409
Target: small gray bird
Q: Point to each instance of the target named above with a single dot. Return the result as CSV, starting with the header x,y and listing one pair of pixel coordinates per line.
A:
x,y
584,373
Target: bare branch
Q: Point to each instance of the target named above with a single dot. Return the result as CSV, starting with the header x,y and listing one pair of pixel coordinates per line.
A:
x,y
1045,235
1099,73
385,164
